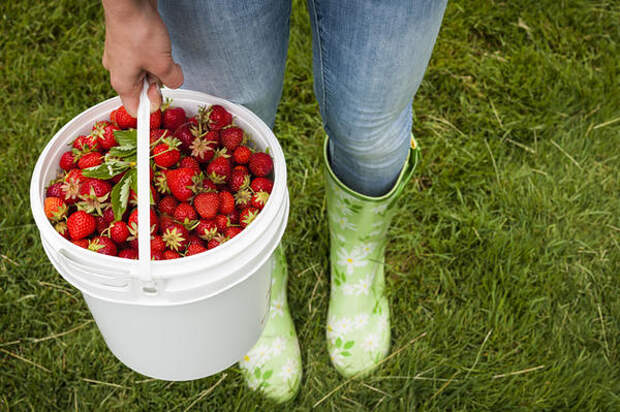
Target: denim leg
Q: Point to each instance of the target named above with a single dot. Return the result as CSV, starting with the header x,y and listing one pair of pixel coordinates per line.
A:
x,y
232,49
369,58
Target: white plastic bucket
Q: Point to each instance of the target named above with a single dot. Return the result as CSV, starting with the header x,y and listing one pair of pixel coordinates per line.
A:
x,y
199,314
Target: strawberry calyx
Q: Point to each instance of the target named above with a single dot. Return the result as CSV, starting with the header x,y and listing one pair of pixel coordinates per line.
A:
x,y
92,203
174,238
243,197
161,183
62,228
95,245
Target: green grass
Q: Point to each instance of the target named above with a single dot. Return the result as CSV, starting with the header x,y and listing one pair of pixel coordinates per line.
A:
x,y
504,254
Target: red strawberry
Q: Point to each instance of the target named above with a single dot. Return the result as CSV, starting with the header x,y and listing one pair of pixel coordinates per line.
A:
x,y
55,190
222,222
261,184
195,240
227,203
166,154
155,119
219,170
80,225
191,163
239,179
203,149
161,182
171,254
167,205
243,198
71,185
103,245
67,161
242,155
117,178
157,244
176,237
241,168
54,208
219,117
259,199
90,159
128,253
100,224
194,249
247,215
207,204
75,174
124,120
86,144
173,117
132,222
184,212
165,222
208,185
104,131
108,215
94,187
156,134
185,135
214,136
233,217
81,243
232,231
119,232
113,117
180,182
261,164
206,229
216,241
100,125
94,194
156,255
231,137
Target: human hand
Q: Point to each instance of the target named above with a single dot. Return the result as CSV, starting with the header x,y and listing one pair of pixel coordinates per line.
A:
x,y
137,45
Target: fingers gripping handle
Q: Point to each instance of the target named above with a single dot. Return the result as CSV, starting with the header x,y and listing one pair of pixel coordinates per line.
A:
x,y
144,186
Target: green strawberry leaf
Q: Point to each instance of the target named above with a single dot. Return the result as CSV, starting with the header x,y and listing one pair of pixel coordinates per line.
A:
x,y
134,186
345,353
257,372
106,170
120,194
126,137
267,375
338,342
123,152
336,281
348,345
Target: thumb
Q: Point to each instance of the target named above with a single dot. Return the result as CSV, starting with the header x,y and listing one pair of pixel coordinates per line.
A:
x,y
154,92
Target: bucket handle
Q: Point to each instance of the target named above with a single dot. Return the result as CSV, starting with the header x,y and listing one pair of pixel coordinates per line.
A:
x,y
144,187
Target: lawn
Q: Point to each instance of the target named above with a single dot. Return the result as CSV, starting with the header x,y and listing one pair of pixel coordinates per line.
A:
x,y
503,264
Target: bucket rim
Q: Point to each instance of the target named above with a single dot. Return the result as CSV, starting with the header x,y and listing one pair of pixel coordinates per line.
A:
x,y
162,269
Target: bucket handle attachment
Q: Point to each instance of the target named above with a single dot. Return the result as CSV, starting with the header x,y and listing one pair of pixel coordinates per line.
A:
x,y
144,192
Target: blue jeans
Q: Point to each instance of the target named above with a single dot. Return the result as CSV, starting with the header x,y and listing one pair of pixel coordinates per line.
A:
x,y
369,58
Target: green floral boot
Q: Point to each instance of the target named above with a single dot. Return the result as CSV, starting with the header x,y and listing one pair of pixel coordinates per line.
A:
x,y
273,365
358,319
